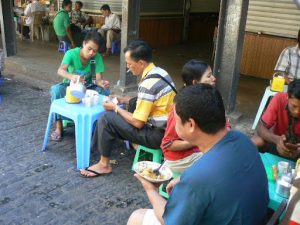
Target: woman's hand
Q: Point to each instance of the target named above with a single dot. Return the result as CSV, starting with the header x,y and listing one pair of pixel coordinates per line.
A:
x,y
172,184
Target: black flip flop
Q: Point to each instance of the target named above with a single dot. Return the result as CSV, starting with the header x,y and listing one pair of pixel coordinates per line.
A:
x,y
94,172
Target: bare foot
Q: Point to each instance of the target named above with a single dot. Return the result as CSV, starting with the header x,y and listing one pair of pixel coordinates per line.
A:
x,y
96,170
56,135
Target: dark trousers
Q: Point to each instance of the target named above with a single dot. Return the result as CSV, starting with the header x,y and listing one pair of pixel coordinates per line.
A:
x,y
77,37
26,29
111,127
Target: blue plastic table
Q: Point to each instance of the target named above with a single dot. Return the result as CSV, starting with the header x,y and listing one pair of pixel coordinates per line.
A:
x,y
84,118
269,160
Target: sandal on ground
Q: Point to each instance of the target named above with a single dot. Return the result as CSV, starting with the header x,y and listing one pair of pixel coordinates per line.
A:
x,y
55,136
94,172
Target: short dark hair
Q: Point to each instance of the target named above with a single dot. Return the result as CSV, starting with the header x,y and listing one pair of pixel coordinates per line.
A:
x,y
193,70
105,7
139,50
93,36
65,3
202,103
298,36
294,89
79,3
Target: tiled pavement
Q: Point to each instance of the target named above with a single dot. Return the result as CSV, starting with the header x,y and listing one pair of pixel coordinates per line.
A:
x,y
44,188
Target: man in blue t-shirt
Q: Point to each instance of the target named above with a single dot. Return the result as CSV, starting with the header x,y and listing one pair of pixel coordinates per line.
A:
x,y
228,185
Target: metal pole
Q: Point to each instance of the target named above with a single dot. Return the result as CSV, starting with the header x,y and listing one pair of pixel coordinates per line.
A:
x,y
130,31
8,30
186,19
232,23
2,29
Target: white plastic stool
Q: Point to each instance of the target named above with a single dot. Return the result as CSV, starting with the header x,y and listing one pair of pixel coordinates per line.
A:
x,y
268,93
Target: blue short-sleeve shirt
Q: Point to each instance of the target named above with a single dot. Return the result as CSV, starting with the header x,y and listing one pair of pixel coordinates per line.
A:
x,y
228,185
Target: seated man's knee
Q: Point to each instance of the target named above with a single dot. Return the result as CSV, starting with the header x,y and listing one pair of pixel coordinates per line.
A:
x,y
110,34
101,32
107,118
57,91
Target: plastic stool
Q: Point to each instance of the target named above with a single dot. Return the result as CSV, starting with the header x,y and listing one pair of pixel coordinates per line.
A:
x,y
162,187
268,93
156,153
1,80
63,46
115,47
67,123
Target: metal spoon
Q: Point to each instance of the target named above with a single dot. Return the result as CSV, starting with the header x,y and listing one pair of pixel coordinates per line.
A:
x,y
156,171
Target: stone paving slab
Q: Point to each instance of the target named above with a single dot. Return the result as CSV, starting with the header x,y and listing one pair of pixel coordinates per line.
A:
x,y
45,187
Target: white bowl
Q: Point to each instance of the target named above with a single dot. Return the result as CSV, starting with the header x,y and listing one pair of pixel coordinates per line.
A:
x,y
165,172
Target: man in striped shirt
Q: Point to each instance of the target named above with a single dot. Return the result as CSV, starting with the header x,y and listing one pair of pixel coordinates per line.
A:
x,y
146,125
289,62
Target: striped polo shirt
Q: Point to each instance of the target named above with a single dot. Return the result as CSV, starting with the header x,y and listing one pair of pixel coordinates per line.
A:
x,y
155,97
289,62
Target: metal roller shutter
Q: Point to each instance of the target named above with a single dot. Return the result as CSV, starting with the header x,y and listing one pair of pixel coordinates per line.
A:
x,y
275,17
205,6
161,7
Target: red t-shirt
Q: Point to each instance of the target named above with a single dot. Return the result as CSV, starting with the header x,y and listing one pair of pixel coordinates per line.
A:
x,y
171,135
276,115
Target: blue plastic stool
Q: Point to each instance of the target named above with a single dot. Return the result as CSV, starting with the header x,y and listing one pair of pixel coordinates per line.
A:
x,y
84,119
1,80
156,154
116,47
63,46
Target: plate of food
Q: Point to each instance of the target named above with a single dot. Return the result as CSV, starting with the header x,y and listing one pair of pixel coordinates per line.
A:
x,y
145,169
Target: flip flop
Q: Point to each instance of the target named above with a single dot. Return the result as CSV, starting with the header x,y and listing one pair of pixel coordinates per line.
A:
x,y
94,172
55,136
